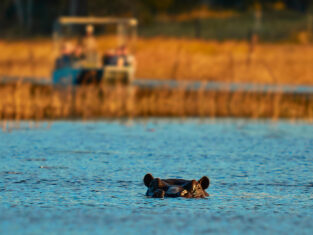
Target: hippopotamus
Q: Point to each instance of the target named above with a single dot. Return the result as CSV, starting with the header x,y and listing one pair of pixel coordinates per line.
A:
x,y
160,188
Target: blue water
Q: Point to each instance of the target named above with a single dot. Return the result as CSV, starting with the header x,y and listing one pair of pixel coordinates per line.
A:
x,y
189,85
223,86
86,177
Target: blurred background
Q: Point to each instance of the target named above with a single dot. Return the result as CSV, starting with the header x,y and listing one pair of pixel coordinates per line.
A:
x,y
262,43
206,19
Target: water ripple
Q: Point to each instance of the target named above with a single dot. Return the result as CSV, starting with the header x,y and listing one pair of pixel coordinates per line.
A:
x,y
87,177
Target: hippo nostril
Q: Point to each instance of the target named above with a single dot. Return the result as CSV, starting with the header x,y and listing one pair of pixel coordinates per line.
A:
x,y
183,193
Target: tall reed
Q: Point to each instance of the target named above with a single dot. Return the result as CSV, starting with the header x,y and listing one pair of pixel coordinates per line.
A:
x,y
23,101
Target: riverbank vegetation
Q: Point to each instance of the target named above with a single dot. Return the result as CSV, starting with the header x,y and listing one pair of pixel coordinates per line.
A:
x,y
25,101
257,42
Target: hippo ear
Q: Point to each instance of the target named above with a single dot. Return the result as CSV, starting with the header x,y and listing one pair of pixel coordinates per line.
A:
x,y
147,179
205,182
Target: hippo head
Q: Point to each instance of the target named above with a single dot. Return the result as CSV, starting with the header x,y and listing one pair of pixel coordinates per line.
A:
x,y
159,188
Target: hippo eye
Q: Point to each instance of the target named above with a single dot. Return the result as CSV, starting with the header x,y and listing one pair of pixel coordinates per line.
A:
x,y
196,189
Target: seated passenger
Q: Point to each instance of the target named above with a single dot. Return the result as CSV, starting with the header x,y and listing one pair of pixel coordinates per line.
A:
x,y
128,59
120,57
110,58
120,62
66,56
78,56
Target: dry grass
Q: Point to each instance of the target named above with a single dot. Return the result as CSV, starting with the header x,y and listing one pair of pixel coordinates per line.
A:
x,y
182,59
21,101
162,58
226,61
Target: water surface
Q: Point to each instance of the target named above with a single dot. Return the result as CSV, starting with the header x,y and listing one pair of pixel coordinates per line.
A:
x,y
86,177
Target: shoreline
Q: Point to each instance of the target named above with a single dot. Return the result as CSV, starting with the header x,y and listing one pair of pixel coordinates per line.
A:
x,y
25,101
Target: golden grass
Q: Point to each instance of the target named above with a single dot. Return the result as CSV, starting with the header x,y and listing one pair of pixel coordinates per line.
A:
x,y
181,59
163,58
22,101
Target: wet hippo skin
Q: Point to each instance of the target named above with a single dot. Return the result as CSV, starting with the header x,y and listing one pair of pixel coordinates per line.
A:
x,y
159,188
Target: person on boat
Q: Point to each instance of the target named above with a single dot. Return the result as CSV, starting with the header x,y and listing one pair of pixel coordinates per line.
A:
x,y
110,57
90,46
114,57
128,59
65,60
78,56
120,60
